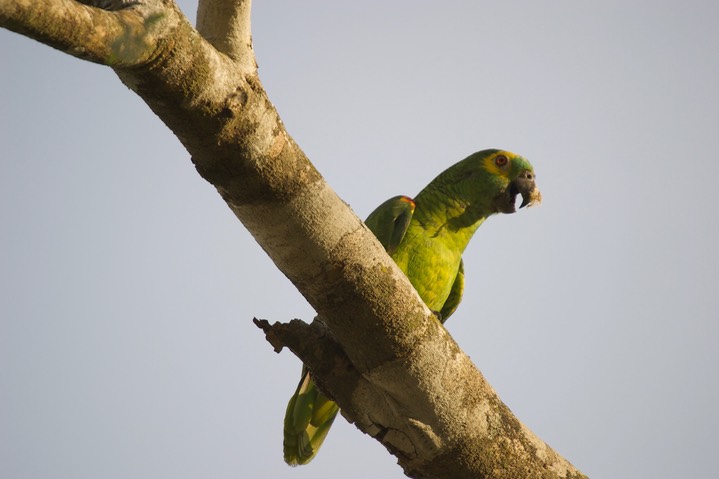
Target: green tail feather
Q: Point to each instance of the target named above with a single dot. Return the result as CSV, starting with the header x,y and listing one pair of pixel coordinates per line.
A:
x,y
307,421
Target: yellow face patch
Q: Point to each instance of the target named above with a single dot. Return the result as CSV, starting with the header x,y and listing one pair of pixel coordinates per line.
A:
x,y
499,163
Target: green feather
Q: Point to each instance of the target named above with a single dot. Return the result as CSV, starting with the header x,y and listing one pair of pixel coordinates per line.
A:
x,y
389,221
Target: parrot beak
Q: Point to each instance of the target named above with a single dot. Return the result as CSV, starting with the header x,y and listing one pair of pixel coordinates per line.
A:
x,y
526,186
522,185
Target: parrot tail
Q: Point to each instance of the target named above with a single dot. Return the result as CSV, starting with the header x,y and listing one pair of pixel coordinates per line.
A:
x,y
307,421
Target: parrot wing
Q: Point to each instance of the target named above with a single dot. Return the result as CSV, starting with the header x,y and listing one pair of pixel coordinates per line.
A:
x,y
389,221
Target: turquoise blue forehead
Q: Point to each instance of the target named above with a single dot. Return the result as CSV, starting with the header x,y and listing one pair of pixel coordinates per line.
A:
x,y
520,163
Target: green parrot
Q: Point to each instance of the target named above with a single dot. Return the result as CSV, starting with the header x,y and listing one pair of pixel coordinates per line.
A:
x,y
426,237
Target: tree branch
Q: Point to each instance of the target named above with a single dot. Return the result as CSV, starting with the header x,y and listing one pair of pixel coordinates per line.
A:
x,y
123,38
226,24
411,386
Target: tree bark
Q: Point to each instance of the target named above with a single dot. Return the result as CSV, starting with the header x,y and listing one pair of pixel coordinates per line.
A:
x,y
390,365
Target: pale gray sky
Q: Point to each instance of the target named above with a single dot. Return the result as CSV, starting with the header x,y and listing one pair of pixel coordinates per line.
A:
x,y
127,287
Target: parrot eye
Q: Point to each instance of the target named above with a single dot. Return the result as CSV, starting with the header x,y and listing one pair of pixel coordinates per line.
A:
x,y
501,160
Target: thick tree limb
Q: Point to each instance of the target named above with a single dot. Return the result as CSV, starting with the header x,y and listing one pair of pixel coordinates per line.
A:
x,y
410,385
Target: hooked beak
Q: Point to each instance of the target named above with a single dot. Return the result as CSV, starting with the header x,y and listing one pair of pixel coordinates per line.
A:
x,y
522,185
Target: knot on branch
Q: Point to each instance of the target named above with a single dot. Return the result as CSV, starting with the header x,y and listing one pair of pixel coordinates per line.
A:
x,y
314,344
296,335
270,334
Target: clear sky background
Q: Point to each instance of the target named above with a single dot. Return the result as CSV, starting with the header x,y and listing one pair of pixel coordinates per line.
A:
x,y
127,287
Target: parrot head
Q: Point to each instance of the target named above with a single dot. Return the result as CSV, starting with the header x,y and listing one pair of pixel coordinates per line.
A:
x,y
492,180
